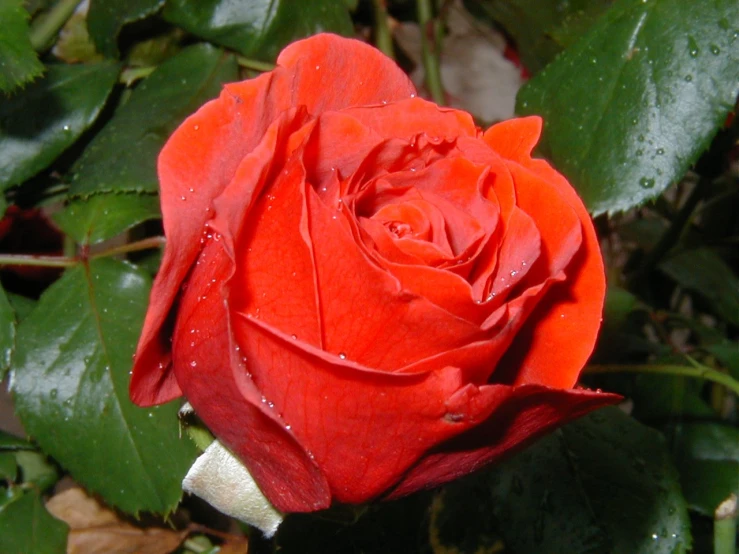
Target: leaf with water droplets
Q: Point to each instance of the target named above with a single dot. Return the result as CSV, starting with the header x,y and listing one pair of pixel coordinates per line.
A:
x,y
103,216
122,156
633,103
603,484
258,29
539,29
70,382
49,115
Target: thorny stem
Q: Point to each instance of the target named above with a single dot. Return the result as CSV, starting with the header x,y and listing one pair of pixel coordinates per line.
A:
x,y
697,372
47,25
69,261
430,51
383,38
255,65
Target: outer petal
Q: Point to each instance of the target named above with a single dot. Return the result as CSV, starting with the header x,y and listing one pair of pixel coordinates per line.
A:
x,y
213,376
195,165
571,312
328,72
200,158
515,417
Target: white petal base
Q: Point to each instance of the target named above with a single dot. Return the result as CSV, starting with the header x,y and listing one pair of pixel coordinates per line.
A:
x,y
219,478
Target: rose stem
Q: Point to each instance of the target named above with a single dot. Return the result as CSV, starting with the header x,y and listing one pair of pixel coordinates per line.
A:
x,y
383,38
724,527
47,25
699,372
430,51
255,65
69,261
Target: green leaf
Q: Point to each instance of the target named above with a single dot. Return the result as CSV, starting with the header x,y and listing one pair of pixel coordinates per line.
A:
x,y
22,305
601,485
70,381
708,460
703,271
11,442
36,469
260,28
728,354
103,216
631,105
7,333
39,124
18,61
26,527
106,18
8,467
122,157
540,29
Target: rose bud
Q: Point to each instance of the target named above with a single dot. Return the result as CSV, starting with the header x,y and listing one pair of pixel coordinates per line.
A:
x,y
363,294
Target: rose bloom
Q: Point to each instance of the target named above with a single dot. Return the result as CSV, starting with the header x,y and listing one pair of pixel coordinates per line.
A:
x,y
363,294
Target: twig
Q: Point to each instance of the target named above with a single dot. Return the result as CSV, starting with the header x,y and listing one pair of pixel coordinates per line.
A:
x,y
47,25
430,51
700,372
383,38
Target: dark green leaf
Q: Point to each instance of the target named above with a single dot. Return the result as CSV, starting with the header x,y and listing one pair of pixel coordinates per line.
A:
x,y
39,124
122,157
70,380
36,469
106,18
11,442
7,333
22,305
18,61
102,216
601,485
703,271
660,397
728,354
27,528
630,106
260,28
708,461
8,467
540,29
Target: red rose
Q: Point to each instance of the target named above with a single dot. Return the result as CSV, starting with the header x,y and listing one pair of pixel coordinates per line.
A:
x,y
363,294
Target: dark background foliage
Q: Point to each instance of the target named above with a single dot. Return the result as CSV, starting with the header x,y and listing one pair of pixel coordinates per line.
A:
x,y
638,98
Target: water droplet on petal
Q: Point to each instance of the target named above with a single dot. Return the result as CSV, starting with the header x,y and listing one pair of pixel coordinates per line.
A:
x,y
342,355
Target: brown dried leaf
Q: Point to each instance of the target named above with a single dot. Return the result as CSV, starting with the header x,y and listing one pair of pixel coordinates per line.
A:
x,y
96,529
235,546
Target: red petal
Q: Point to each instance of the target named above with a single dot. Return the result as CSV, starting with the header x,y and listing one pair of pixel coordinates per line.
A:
x,y
328,72
408,118
194,167
364,428
515,139
571,312
215,381
275,277
514,416
366,313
